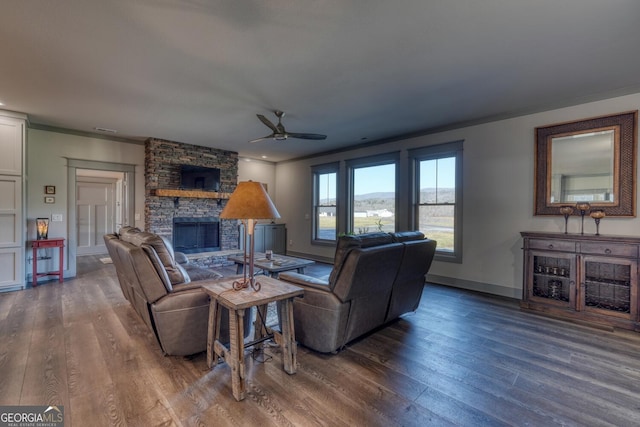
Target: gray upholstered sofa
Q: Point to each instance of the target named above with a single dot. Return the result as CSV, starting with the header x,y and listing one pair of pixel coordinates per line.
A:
x,y
166,294
376,277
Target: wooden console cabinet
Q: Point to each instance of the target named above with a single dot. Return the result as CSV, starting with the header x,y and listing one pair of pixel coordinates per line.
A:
x,y
584,277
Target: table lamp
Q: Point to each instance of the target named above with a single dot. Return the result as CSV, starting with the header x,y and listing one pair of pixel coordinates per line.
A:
x,y
249,203
42,228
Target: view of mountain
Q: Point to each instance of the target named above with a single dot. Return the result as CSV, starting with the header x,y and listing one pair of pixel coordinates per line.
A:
x,y
428,193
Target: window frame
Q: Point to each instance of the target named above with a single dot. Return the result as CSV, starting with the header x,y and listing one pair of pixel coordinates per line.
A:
x,y
316,171
435,152
370,161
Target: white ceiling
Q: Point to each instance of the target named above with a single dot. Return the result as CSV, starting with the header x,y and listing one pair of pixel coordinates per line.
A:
x,y
198,71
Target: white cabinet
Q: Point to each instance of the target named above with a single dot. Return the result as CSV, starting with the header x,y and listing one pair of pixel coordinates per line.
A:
x,y
12,211
11,145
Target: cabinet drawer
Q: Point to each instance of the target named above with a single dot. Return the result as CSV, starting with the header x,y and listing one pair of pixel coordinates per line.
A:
x,y
552,245
613,249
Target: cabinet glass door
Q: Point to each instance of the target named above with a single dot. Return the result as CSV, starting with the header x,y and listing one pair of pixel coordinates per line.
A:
x,y
606,286
553,277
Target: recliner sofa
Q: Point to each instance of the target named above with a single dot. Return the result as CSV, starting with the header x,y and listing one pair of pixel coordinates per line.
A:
x,y
166,294
376,277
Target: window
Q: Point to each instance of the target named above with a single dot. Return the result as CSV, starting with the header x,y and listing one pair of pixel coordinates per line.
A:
x,y
325,186
438,195
373,195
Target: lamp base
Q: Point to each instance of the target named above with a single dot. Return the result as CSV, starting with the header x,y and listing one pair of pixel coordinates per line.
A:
x,y
245,283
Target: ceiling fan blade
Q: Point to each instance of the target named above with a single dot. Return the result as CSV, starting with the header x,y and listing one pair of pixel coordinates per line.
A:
x,y
314,136
268,123
263,138
279,132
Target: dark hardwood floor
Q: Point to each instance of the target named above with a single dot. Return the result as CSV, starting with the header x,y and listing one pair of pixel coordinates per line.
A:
x,y
462,359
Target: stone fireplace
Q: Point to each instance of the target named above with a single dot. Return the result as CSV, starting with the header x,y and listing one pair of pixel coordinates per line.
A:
x,y
197,218
193,235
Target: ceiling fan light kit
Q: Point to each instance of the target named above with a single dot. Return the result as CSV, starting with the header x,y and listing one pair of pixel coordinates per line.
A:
x,y
279,133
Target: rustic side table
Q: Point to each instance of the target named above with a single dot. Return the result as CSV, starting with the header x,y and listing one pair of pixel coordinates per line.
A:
x,y
57,242
272,290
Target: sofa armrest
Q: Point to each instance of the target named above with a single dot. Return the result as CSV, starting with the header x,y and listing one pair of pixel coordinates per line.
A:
x,y
187,297
181,258
196,273
304,280
186,287
197,284
181,321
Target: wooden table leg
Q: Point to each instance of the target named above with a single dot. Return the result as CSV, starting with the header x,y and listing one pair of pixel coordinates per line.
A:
x,y
289,348
35,266
213,332
259,327
236,335
61,264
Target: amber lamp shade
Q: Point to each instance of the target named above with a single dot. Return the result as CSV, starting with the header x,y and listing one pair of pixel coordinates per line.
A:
x,y
42,228
249,202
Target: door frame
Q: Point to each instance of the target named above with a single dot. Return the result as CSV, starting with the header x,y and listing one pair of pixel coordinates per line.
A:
x,y
112,184
128,198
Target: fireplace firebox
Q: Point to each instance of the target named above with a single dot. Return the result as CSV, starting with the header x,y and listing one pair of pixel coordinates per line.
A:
x,y
194,235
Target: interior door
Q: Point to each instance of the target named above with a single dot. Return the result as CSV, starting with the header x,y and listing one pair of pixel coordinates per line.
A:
x,y
96,214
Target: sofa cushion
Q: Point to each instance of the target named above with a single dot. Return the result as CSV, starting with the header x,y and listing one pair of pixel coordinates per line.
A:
x,y
409,282
368,240
407,236
181,258
347,243
164,254
127,229
157,264
344,245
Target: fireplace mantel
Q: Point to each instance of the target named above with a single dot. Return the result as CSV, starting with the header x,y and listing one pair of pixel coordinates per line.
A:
x,y
196,194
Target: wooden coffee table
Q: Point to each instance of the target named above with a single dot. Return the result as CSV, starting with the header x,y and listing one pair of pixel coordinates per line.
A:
x,y
273,267
222,293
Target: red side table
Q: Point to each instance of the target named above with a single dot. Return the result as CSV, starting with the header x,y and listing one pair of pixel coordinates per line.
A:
x,y
56,242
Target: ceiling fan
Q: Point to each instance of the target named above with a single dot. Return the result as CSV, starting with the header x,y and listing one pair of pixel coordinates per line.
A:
x,y
279,132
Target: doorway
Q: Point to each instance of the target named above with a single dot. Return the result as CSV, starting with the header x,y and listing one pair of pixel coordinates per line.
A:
x,y
123,175
99,208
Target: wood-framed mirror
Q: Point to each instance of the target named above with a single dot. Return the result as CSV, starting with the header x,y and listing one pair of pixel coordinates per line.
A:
x,y
592,160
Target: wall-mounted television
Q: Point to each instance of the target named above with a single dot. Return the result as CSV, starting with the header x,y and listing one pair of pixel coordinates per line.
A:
x,y
199,178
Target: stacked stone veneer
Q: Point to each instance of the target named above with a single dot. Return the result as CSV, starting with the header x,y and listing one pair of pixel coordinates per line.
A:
x,y
162,170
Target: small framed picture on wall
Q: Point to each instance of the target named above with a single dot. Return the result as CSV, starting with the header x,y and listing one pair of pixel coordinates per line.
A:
x,y
49,189
49,199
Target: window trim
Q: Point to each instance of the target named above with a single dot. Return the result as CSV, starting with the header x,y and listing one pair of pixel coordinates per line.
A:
x,y
369,161
450,149
317,170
